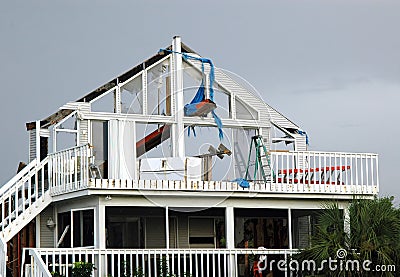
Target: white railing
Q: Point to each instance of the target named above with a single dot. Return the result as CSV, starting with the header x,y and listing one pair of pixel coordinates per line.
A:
x,y
37,267
21,192
324,172
3,257
289,172
69,169
157,262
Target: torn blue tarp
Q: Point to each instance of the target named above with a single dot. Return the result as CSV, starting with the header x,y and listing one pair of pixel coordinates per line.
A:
x,y
200,106
242,182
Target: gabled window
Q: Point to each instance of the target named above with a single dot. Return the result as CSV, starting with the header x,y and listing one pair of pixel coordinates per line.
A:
x,y
243,111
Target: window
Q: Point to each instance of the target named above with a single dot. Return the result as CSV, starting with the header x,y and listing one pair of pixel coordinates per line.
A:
x,y
83,228
64,233
76,226
243,111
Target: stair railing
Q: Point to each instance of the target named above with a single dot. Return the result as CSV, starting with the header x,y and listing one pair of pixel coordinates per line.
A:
x,y
22,191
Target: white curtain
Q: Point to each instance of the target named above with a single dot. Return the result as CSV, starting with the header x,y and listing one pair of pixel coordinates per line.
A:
x,y
121,156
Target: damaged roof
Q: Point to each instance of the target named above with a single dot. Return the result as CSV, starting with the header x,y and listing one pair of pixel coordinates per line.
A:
x,y
61,114
276,117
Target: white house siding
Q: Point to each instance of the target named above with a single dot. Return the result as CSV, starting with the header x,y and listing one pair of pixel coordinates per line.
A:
x,y
83,132
46,234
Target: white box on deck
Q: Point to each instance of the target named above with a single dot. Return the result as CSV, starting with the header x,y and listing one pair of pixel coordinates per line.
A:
x,y
172,168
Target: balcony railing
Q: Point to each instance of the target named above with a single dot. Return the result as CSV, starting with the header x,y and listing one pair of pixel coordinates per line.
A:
x,y
289,172
324,172
151,262
69,169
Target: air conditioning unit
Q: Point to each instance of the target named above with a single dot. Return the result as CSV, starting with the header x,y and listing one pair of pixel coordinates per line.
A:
x,y
171,168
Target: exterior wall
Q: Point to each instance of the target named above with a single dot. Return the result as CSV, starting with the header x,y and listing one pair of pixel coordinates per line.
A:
x,y
83,132
46,234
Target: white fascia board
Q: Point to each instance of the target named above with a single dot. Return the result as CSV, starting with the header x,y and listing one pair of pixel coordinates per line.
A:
x,y
128,117
199,121
280,201
226,122
76,106
104,94
157,63
164,195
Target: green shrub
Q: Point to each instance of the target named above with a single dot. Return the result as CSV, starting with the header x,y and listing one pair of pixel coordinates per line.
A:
x,y
82,269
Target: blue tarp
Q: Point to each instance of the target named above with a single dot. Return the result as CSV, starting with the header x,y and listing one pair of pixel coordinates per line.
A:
x,y
242,182
200,95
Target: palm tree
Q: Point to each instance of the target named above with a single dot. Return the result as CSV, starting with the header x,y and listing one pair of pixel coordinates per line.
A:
x,y
374,238
375,231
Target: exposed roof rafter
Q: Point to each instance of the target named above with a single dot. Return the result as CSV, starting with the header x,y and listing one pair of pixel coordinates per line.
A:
x,y
59,115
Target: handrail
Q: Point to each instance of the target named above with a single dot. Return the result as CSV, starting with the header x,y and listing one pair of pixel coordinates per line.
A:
x,y
19,195
69,149
24,176
18,176
39,268
3,257
326,152
179,261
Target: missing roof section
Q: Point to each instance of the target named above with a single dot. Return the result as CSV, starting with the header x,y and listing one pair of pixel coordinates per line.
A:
x,y
59,115
51,120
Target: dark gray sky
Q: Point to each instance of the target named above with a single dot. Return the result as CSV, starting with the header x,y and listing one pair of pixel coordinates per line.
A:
x,y
331,66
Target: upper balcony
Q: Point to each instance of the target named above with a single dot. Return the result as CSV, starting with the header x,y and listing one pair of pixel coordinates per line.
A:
x,y
292,173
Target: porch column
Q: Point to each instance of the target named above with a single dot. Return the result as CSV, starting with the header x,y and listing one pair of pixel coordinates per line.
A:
x,y
177,74
100,237
290,233
166,227
230,239
230,228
